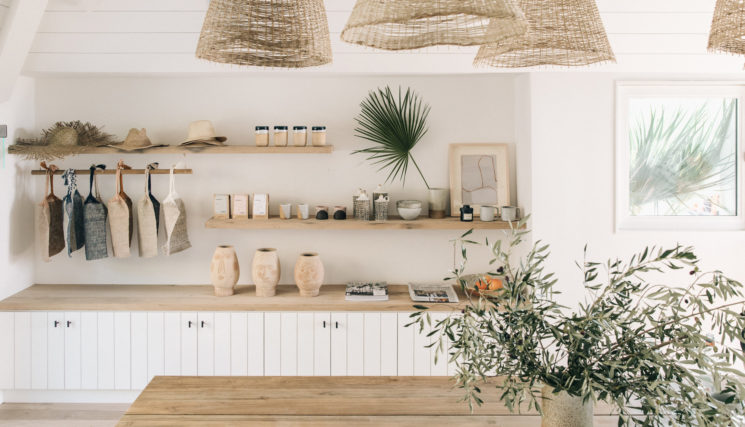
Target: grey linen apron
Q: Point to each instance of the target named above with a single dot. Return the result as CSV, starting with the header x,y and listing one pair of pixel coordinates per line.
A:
x,y
120,218
50,221
74,209
174,215
148,210
94,220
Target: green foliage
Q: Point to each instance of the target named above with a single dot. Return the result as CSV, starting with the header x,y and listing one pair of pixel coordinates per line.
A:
x,y
395,125
639,346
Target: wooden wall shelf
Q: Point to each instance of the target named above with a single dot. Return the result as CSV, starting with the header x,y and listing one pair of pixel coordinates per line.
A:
x,y
113,172
175,149
393,223
201,298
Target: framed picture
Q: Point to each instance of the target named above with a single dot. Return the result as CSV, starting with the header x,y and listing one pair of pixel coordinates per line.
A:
x,y
479,175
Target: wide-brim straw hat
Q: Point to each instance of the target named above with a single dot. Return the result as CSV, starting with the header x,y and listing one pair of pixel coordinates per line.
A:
x,y
136,140
63,139
202,132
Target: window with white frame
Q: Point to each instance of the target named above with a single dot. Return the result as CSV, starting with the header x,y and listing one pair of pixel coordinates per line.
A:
x,y
677,151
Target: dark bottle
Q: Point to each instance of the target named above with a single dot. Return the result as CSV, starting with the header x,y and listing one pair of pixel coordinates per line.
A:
x,y
466,213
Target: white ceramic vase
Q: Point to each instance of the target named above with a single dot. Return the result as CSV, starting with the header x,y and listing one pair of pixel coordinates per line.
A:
x,y
265,272
309,274
563,410
224,271
439,199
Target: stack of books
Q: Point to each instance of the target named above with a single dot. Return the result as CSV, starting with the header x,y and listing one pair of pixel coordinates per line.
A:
x,y
431,292
367,291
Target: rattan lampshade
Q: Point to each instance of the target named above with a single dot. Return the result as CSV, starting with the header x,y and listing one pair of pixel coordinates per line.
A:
x,y
270,33
414,24
562,32
728,27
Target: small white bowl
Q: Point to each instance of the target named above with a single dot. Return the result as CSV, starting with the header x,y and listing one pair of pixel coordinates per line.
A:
x,y
409,209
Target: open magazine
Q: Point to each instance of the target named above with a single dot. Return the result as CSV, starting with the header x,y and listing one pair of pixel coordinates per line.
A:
x,y
431,292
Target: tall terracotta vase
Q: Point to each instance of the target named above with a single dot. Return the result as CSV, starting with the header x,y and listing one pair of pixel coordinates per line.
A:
x,y
564,410
265,271
224,271
309,274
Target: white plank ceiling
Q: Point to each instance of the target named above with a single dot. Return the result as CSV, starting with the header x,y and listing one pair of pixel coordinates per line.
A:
x,y
160,36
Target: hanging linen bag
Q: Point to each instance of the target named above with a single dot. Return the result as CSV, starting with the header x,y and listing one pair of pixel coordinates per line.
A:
x,y
50,219
174,215
94,220
148,210
120,217
74,209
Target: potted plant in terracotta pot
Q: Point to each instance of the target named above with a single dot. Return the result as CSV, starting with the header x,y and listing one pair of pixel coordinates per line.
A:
x,y
642,346
396,124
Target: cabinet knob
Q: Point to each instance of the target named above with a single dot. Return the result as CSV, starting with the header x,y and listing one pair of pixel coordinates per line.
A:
x,y
56,323
202,324
337,325
189,323
324,324
69,323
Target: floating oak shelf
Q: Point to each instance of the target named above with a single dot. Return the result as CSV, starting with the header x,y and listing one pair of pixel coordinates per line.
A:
x,y
113,172
393,223
175,149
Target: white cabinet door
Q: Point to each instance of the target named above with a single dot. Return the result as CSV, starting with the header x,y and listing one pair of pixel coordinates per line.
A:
x,y
39,350
305,344
322,344
155,345
56,350
339,344
439,365
106,351
206,344
405,350
172,343
256,343
355,344
139,350
89,350
122,351
288,344
371,346
238,344
388,344
422,354
189,344
6,351
22,350
72,351
222,344
272,344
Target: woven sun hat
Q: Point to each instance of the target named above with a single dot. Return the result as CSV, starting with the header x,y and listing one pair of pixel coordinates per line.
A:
x,y
202,132
63,139
136,140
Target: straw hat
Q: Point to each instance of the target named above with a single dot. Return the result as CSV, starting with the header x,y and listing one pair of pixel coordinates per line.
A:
x,y
202,132
136,140
63,139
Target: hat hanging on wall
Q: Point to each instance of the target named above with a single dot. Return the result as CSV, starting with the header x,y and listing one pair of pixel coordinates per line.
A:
x,y
562,32
268,33
728,27
63,139
136,140
201,133
414,24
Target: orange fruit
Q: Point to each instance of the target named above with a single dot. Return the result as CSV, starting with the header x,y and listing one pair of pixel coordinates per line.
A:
x,y
483,284
495,284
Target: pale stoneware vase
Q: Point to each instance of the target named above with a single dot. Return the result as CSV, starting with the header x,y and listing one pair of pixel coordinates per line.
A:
x,y
265,272
563,410
438,199
309,274
224,271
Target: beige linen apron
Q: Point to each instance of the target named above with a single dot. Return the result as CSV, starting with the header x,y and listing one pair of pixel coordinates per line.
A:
x,y
147,221
174,214
120,217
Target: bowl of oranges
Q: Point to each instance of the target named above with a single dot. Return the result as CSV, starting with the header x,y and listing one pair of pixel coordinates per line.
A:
x,y
483,284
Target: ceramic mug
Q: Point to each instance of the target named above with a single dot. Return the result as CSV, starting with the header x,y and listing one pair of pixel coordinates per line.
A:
x,y
285,211
302,211
487,213
322,212
340,212
510,213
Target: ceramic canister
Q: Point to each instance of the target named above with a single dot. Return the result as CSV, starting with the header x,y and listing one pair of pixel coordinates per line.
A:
x,y
265,272
224,270
309,273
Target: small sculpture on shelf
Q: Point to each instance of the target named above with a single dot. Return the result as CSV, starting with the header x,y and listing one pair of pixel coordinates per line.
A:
x,y
224,270
309,273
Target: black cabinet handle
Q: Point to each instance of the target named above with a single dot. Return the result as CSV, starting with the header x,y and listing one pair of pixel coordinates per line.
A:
x,y
190,323
203,323
56,323
337,325
324,324
69,323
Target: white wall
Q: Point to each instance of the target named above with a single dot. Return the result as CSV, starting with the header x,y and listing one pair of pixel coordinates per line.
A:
x,y
16,206
464,109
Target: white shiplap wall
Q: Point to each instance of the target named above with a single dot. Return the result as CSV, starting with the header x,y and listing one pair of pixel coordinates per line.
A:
x,y
144,36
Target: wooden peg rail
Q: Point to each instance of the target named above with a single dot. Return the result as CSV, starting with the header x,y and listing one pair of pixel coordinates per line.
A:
x,y
113,172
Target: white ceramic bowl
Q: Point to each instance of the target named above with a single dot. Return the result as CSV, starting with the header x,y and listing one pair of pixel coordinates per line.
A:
x,y
409,209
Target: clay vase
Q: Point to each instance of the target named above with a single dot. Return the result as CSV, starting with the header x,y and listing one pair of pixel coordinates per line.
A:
x,y
563,410
309,274
224,271
265,272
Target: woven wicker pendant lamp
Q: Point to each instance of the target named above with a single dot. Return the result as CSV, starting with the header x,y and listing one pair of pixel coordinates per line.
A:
x,y
728,27
562,32
414,24
269,33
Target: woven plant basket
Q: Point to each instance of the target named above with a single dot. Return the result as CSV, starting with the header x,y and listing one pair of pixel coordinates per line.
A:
x,y
268,33
562,32
414,24
728,27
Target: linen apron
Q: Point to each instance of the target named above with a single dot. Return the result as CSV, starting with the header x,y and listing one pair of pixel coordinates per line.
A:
x,y
174,215
50,219
74,209
148,210
94,220
120,218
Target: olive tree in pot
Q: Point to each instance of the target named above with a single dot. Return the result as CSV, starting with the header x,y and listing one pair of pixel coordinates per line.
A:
x,y
396,124
642,347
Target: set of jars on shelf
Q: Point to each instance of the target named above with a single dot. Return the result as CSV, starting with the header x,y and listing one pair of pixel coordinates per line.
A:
x,y
281,136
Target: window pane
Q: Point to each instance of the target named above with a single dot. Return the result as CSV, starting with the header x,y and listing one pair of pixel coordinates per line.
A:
x,y
683,156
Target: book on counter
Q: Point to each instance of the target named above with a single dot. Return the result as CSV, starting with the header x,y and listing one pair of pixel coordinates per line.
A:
x,y
367,291
432,292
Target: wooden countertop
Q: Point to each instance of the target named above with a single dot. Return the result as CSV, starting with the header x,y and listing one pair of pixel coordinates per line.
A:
x,y
200,298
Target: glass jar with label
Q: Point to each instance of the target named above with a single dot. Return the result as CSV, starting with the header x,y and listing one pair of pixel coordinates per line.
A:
x,y
262,136
300,136
280,136
319,136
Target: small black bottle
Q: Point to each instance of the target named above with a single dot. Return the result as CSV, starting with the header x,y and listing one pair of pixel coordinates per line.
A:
x,y
466,213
